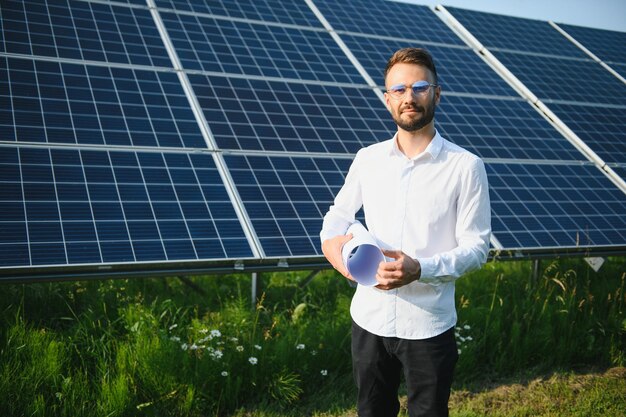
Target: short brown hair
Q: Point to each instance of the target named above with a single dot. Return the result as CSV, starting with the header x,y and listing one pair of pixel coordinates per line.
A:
x,y
417,56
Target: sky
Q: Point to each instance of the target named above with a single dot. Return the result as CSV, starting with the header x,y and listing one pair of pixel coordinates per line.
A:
x,y
601,14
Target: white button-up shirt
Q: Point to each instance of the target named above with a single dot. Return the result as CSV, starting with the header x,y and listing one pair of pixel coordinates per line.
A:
x,y
435,208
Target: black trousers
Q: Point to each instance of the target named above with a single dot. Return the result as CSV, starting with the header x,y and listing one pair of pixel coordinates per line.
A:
x,y
428,365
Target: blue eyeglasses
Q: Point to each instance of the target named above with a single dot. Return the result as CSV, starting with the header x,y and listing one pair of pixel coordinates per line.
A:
x,y
419,87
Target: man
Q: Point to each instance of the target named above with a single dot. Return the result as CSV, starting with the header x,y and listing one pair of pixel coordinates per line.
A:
x,y
426,203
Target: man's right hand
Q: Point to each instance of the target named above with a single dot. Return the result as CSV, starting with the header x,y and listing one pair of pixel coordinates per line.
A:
x,y
332,251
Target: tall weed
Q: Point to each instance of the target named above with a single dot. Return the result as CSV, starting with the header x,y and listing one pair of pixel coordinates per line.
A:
x,y
569,317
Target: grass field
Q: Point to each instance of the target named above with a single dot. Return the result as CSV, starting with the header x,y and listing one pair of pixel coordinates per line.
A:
x,y
157,347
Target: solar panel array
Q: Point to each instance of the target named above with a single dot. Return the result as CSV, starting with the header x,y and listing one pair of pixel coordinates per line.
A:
x,y
172,135
590,100
607,45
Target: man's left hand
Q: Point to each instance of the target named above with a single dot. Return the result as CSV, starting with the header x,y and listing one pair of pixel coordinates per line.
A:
x,y
402,271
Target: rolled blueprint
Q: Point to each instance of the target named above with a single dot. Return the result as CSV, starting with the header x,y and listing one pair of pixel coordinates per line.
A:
x,y
361,255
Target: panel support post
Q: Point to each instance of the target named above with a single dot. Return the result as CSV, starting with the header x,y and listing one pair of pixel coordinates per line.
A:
x,y
536,268
255,288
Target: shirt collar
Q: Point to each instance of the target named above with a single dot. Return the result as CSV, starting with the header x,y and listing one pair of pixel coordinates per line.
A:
x,y
433,149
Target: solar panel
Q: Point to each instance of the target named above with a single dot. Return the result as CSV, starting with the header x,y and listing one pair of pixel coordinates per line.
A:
x,y
286,198
57,102
608,45
130,2
218,45
290,12
582,81
459,69
620,68
251,114
71,206
382,18
105,160
82,30
620,171
514,33
508,129
585,96
542,206
601,128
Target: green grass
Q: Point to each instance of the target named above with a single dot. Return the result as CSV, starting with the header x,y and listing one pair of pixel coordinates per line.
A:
x,y
561,394
156,347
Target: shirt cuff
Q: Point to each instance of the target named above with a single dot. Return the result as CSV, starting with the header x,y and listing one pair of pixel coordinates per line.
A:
x,y
428,266
325,234
329,234
332,229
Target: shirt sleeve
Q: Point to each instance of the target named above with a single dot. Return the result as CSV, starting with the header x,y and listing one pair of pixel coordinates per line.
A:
x,y
348,201
473,230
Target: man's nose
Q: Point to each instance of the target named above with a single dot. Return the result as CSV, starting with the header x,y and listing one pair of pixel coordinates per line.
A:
x,y
409,96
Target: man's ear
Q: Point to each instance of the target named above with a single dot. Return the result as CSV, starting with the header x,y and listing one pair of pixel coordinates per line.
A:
x,y
437,94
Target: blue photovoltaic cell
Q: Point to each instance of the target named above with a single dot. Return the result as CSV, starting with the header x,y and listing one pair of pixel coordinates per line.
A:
x,y
287,197
621,171
253,114
277,11
135,2
82,30
516,33
542,206
603,129
459,69
619,68
2,45
608,45
493,128
565,79
387,18
217,45
65,207
45,101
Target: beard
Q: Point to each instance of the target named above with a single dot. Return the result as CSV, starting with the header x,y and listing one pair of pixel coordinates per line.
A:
x,y
414,124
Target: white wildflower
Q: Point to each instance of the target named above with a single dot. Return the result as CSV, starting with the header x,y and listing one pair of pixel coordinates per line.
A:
x,y
313,352
175,338
234,339
239,348
204,339
300,346
184,346
469,338
173,326
224,373
467,327
204,331
253,360
217,354
257,347
459,351
215,333
193,347
324,372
